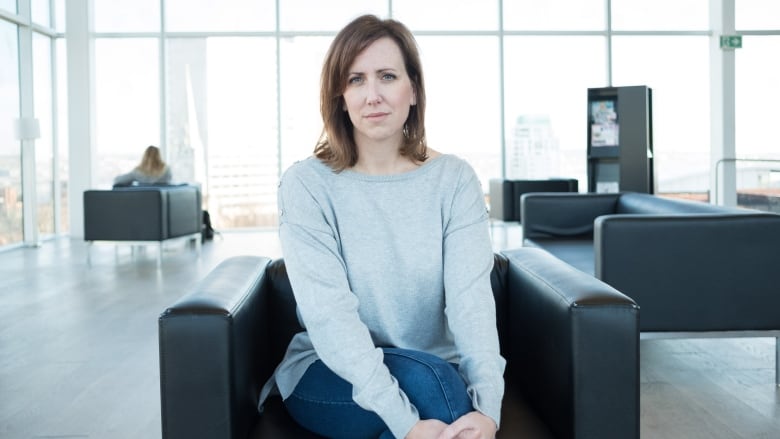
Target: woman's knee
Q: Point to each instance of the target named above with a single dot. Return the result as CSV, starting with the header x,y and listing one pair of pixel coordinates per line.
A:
x,y
322,403
433,385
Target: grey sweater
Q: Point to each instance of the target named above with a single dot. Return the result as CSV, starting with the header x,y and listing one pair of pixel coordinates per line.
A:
x,y
137,176
401,260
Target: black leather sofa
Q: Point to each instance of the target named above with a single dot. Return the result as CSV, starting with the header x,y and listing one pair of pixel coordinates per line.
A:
x,y
143,214
505,194
694,268
571,344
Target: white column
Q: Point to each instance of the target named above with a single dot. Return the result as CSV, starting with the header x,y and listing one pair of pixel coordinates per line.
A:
x,y
723,174
81,115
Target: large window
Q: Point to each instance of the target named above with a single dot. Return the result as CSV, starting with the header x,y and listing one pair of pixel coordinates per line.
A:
x,y
461,15
222,125
220,15
300,66
318,16
545,97
472,89
127,108
44,145
62,152
236,100
126,16
757,90
8,5
660,15
10,148
681,106
556,15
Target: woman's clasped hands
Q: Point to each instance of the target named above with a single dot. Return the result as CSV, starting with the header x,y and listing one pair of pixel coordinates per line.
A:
x,y
472,425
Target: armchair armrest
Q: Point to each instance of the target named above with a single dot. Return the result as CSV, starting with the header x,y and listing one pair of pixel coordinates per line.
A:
x,y
574,350
563,214
185,214
720,268
211,352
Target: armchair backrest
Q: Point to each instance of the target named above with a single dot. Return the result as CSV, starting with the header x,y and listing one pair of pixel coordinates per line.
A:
x,y
638,203
142,213
564,215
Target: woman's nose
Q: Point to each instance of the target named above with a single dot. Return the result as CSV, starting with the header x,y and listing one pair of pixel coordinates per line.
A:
x,y
373,95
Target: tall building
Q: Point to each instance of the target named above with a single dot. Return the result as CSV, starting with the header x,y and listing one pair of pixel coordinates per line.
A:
x,y
534,150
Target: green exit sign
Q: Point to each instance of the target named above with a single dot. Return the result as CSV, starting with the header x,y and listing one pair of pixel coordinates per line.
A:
x,y
731,41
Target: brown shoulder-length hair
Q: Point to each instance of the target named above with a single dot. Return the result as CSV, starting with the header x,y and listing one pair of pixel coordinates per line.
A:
x,y
336,146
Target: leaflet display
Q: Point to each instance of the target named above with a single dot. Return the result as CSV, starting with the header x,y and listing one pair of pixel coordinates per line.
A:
x,y
620,139
604,126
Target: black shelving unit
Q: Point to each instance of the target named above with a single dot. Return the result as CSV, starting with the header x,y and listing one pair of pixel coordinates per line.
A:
x,y
620,139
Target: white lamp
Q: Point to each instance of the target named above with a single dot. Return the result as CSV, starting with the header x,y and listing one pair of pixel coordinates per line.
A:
x,y
27,128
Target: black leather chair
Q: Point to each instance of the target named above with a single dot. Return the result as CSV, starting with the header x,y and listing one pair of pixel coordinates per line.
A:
x,y
143,215
696,269
505,194
571,344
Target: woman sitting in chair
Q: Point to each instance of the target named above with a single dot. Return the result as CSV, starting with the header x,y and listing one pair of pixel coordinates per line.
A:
x,y
151,170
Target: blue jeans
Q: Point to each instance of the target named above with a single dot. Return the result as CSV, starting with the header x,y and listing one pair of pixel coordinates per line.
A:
x,y
322,401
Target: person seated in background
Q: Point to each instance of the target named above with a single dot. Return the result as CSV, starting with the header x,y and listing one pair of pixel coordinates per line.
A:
x,y
151,170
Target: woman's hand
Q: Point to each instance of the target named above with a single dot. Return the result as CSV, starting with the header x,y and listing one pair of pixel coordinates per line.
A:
x,y
427,429
472,425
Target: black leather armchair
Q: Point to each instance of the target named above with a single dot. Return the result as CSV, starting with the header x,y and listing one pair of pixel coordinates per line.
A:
x,y
143,214
696,269
505,194
570,340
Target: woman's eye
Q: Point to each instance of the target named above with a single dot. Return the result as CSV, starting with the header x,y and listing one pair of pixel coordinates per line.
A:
x,y
355,80
388,76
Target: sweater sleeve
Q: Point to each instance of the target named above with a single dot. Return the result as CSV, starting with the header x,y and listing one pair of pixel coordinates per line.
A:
x,y
166,176
471,309
125,179
327,306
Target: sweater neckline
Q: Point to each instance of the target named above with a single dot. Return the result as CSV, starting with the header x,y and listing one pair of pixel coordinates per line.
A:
x,y
424,167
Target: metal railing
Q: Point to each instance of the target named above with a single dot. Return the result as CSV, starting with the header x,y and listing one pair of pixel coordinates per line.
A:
x,y
718,167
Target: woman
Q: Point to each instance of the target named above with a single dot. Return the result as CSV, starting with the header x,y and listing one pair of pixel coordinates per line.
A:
x,y
151,170
387,249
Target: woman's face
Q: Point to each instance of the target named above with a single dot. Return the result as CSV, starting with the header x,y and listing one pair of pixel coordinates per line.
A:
x,y
378,93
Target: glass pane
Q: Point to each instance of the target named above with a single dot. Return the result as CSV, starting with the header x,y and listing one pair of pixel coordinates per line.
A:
x,y
41,12
681,104
757,89
44,145
554,15
220,15
222,125
447,14
757,15
301,65
466,95
127,16
684,15
62,132
59,15
10,149
127,104
325,16
546,108
8,5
